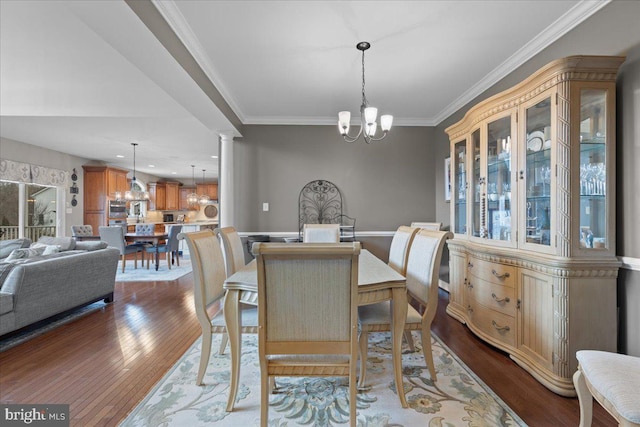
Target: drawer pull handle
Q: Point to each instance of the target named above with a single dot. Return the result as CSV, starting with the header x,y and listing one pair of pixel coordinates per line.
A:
x,y
500,328
500,276
470,265
505,299
469,309
470,286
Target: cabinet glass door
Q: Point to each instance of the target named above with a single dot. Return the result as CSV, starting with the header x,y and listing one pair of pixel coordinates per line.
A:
x,y
459,189
538,173
499,179
477,214
593,169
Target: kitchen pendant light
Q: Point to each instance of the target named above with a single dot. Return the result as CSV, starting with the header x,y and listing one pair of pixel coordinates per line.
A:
x,y
192,198
135,195
368,115
203,199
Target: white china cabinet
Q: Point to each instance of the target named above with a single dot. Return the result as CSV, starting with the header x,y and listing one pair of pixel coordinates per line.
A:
x,y
532,265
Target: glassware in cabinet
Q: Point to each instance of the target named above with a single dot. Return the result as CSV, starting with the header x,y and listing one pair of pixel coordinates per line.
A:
x,y
477,214
460,186
593,169
538,173
499,183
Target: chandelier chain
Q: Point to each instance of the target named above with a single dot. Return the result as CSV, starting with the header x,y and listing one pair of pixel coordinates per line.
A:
x,y
364,97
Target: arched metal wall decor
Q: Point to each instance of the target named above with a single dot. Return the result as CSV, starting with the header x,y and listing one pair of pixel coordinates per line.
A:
x,y
320,202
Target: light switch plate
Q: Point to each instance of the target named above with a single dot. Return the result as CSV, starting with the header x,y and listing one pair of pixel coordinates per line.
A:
x,y
265,207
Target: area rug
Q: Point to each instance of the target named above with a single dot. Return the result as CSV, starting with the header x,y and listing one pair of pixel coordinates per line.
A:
x,y
44,326
458,398
141,274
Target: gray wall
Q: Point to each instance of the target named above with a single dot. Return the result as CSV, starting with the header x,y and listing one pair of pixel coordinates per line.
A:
x,y
384,185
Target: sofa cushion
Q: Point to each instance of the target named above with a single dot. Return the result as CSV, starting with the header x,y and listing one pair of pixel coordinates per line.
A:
x,y
90,245
7,246
65,243
25,253
5,269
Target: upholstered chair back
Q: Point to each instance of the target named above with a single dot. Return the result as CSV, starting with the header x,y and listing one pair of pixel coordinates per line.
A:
x,y
321,233
82,230
233,249
145,229
399,249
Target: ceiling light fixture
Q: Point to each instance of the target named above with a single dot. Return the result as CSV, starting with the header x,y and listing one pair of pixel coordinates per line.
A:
x,y
192,198
203,198
135,195
368,115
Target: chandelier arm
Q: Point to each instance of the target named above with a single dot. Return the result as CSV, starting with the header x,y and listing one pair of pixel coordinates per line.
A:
x,y
350,138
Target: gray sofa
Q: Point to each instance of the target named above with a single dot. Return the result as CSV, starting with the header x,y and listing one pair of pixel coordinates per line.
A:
x,y
41,286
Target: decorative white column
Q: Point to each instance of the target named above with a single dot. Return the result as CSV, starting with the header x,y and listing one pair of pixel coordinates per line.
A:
x,y
225,181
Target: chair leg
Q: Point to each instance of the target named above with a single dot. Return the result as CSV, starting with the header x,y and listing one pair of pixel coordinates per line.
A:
x,y
177,255
352,393
135,260
204,356
409,339
223,343
264,394
584,397
124,261
363,342
428,353
148,256
169,259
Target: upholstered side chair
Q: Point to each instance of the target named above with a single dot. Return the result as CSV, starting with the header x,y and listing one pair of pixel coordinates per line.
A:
x,y
81,230
423,263
613,380
170,247
428,225
315,284
321,233
399,249
208,279
114,236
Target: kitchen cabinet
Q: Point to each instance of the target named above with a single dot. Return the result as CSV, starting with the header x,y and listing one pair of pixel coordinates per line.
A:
x,y
532,263
182,204
210,190
164,196
100,185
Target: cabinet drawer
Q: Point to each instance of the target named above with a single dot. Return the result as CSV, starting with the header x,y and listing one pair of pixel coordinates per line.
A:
x,y
499,274
493,323
497,297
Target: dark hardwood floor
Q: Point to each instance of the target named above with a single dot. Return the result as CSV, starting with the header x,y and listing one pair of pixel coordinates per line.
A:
x,y
103,364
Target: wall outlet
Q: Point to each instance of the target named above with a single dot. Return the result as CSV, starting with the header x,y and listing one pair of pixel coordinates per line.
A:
x,y
265,207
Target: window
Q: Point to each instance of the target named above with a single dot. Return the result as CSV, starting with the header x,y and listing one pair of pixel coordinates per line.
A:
x,y
27,210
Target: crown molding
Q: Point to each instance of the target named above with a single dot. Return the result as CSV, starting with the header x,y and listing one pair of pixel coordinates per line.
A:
x,y
327,121
171,13
576,15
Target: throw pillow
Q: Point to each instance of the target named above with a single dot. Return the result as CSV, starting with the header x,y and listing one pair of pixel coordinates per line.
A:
x,y
25,253
7,246
65,243
48,249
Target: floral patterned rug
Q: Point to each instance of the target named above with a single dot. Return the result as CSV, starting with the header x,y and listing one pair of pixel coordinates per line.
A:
x,y
458,398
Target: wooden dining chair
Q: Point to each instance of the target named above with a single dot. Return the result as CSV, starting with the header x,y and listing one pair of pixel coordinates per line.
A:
x,y
308,326
208,278
321,233
423,263
232,249
399,249
428,225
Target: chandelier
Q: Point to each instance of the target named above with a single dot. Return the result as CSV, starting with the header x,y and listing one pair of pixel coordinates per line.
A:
x,y
135,195
203,199
368,115
192,198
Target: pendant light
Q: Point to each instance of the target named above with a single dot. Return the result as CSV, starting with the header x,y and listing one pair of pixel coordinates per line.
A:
x,y
204,197
134,195
192,198
368,115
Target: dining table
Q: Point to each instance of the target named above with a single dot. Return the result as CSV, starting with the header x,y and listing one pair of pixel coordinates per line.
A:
x,y
154,238
377,282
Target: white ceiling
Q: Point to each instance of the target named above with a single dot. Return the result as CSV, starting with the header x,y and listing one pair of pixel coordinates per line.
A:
x,y
87,77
